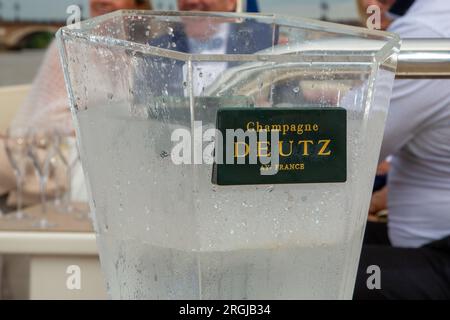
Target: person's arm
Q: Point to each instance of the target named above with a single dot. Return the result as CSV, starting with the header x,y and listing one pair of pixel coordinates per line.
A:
x,y
411,109
414,103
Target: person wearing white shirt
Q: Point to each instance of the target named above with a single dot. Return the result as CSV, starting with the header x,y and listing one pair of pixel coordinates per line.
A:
x,y
414,253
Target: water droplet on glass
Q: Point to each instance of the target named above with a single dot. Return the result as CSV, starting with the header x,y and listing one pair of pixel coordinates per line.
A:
x,y
163,154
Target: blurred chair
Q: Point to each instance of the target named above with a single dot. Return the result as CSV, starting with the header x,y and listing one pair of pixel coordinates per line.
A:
x,y
11,97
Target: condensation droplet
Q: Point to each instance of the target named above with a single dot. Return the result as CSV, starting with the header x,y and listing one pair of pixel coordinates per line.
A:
x,y
164,154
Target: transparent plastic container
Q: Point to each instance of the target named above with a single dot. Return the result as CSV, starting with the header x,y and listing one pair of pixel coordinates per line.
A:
x,y
166,231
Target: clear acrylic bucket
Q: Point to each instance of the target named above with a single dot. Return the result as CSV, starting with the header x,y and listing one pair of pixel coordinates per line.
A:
x,y
171,231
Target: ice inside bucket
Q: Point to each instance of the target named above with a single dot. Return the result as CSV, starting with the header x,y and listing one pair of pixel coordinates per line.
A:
x,y
166,231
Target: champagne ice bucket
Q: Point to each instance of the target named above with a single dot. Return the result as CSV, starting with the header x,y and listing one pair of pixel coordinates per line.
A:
x,y
176,225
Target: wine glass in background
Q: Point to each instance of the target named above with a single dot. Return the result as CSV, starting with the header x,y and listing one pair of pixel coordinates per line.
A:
x,y
42,148
16,143
82,212
57,162
67,152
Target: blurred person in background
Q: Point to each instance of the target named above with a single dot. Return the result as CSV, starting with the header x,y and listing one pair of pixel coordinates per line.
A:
x,y
208,5
413,249
47,105
389,11
207,36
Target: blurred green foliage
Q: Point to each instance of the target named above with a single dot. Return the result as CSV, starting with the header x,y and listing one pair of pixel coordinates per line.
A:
x,y
38,40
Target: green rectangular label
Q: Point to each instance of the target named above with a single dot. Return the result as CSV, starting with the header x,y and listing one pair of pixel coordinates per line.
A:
x,y
312,145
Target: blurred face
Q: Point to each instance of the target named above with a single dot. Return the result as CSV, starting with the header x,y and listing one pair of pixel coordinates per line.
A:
x,y
204,29
99,7
207,5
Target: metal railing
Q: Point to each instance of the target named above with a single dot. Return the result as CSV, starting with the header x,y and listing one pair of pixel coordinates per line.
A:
x,y
424,58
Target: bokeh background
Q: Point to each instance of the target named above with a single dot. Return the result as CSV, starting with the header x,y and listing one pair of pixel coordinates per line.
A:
x,y
28,26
